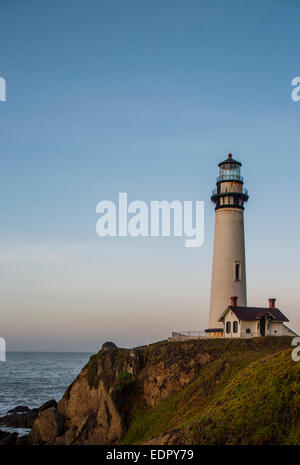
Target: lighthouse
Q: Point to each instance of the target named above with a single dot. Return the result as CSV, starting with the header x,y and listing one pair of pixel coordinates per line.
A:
x,y
229,266
230,316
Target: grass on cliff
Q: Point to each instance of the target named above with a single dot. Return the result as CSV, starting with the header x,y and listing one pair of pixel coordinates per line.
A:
x,y
248,394
92,374
123,381
261,405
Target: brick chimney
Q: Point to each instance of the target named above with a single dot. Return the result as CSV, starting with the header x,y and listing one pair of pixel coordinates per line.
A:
x,y
234,300
272,302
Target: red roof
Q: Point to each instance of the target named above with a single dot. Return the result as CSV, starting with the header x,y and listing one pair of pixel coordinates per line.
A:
x,y
255,313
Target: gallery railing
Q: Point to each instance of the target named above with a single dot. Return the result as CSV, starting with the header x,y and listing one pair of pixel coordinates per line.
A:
x,y
243,191
188,334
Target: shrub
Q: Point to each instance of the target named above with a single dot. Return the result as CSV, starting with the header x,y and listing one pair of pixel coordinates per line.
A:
x,y
123,381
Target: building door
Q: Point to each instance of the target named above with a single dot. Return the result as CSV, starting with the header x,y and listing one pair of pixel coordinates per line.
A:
x,y
262,326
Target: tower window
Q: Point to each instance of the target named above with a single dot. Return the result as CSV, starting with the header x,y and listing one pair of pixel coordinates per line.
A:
x,y
235,326
237,271
228,326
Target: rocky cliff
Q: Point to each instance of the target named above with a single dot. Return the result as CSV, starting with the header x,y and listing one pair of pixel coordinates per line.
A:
x,y
194,392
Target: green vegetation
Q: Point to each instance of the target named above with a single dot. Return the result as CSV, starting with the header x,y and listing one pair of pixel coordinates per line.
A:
x,y
247,393
123,381
92,367
261,405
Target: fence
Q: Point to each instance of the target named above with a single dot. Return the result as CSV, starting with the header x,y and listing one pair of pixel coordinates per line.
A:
x,y
188,334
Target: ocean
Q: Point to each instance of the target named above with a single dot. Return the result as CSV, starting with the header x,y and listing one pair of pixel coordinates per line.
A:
x,y
32,378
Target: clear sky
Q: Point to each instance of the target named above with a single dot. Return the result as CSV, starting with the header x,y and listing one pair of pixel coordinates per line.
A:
x,y
144,97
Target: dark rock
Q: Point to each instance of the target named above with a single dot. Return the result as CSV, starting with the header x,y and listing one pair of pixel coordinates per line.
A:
x,y
20,420
49,404
8,439
24,417
109,345
23,440
48,425
20,409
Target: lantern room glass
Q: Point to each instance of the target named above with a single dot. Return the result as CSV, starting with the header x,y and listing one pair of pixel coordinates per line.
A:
x,y
230,171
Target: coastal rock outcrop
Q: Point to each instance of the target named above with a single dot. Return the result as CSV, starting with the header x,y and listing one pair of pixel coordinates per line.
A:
x,y
192,392
109,345
48,425
8,439
98,404
23,417
20,417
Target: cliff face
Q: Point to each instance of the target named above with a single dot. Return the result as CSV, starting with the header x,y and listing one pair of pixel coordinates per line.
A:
x,y
194,392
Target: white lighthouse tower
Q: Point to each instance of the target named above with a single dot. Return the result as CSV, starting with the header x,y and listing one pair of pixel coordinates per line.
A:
x,y
229,267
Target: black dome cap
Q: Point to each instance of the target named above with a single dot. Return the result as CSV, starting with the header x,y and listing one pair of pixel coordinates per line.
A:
x,y
230,160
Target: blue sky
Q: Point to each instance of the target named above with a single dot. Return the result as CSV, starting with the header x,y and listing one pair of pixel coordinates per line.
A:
x,y
146,98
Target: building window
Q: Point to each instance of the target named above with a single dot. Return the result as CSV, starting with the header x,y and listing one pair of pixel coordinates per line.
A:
x,y
235,326
237,271
248,330
228,326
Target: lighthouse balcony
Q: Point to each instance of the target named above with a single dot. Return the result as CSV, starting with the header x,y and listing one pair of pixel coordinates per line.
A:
x,y
229,199
242,191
